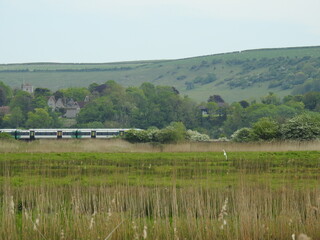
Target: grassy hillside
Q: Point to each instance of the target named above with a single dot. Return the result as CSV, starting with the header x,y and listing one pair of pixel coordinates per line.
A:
x,y
234,76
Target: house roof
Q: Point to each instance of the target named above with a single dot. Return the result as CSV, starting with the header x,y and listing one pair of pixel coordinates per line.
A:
x,y
82,104
4,109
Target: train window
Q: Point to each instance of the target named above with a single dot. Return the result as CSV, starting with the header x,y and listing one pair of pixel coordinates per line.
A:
x,y
102,133
84,133
69,133
23,133
46,133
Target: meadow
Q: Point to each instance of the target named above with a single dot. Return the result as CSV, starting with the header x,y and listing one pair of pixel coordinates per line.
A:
x,y
156,192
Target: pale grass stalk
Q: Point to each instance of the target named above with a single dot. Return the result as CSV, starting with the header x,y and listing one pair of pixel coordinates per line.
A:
x,y
110,234
35,224
11,207
145,234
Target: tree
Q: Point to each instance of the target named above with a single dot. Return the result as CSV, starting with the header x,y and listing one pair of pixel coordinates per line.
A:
x,y
44,92
311,101
175,132
40,102
5,93
40,118
92,87
94,124
58,94
244,103
216,98
101,109
3,97
77,94
266,129
238,118
23,100
271,99
15,118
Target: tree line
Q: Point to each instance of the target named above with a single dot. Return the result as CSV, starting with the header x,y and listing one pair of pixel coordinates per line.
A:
x,y
157,107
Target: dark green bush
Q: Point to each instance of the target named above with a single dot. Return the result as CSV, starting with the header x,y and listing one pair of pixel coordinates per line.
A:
x,y
243,135
266,129
6,136
175,132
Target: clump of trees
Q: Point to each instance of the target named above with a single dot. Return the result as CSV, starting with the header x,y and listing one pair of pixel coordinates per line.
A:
x,y
174,133
304,127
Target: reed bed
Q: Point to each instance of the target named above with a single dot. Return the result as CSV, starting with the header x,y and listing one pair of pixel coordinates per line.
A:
x,y
119,145
104,196
79,212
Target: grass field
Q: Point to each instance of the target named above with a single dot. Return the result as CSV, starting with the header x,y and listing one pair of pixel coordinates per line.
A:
x,y
158,72
158,195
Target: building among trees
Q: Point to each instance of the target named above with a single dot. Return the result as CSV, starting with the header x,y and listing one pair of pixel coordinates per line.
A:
x,y
70,107
27,87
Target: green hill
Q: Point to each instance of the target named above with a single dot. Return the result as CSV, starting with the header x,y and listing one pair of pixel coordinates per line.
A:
x,y
235,76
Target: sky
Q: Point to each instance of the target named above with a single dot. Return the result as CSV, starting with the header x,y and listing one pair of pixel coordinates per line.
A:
x,y
84,31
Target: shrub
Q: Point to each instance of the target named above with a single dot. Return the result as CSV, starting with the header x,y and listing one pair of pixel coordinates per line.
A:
x,y
5,136
243,135
266,129
175,132
303,127
135,136
196,136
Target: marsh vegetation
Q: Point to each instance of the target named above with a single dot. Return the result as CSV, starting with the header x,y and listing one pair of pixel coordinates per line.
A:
x,y
191,195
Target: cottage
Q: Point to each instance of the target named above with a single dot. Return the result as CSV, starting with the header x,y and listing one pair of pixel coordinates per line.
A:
x,y
59,103
52,103
71,107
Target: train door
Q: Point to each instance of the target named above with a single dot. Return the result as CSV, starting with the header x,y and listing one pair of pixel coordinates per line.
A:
x,y
31,135
59,134
93,134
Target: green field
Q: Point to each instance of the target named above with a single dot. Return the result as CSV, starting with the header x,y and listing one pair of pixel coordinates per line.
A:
x,y
170,72
77,195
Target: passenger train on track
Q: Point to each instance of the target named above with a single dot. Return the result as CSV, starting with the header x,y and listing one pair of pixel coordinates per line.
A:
x,y
32,134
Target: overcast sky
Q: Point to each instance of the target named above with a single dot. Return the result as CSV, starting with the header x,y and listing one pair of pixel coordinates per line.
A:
x,y
121,30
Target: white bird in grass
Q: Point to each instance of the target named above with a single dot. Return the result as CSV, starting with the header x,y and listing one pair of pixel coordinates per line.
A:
x,y
225,154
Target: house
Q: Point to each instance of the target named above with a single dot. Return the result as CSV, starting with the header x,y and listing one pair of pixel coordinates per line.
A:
x,y
60,103
71,107
204,111
27,87
86,99
52,103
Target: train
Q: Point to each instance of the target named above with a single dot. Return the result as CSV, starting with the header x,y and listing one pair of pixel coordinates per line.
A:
x,y
33,134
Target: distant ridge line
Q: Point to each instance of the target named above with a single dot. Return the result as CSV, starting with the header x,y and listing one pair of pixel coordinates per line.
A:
x,y
161,60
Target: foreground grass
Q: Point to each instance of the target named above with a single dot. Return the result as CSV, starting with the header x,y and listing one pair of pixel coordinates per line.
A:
x,y
76,195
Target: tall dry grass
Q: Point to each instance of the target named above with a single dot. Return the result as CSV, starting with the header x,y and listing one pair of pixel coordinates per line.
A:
x,y
248,211
118,145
